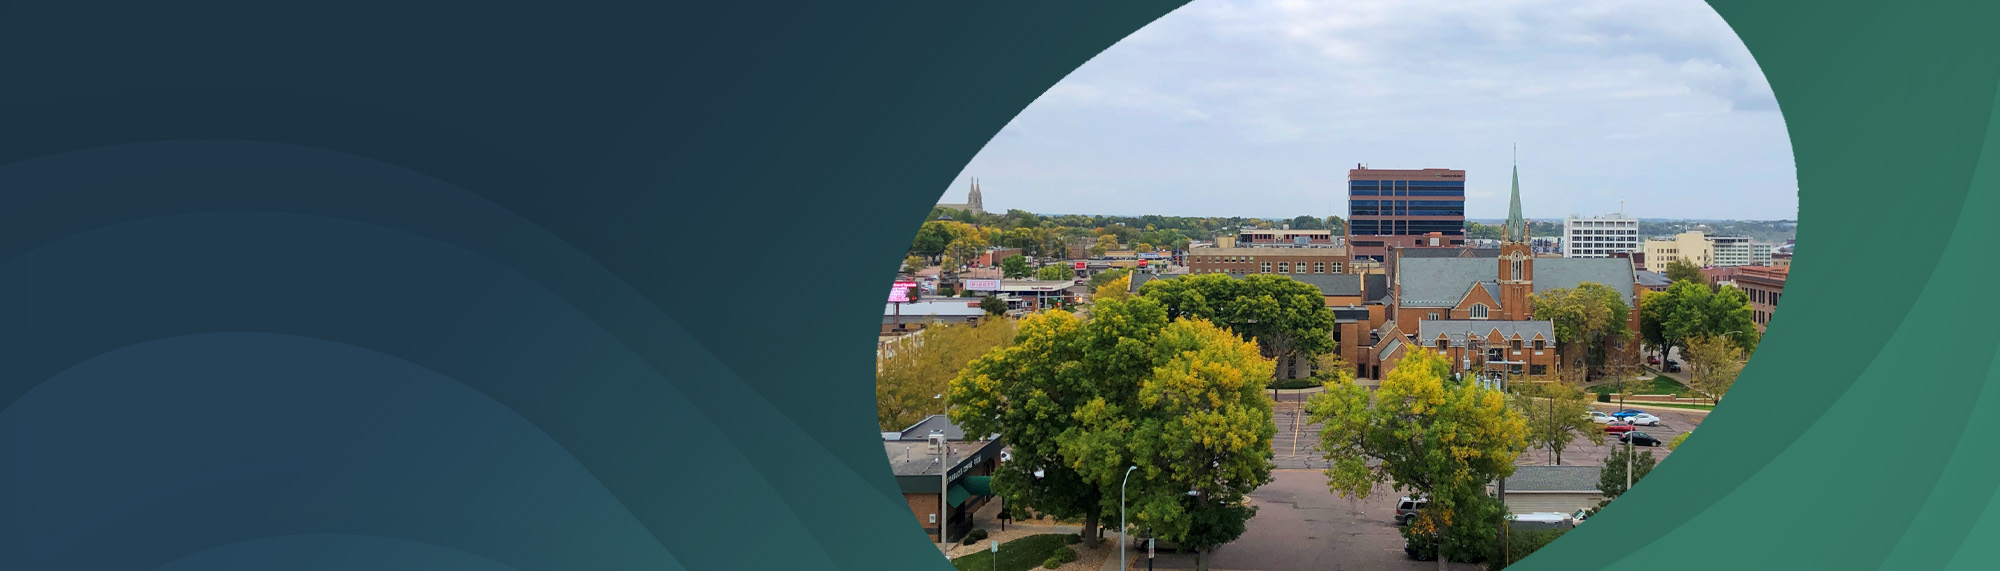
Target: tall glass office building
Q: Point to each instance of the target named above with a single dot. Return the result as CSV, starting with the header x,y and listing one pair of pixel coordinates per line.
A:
x,y
1420,208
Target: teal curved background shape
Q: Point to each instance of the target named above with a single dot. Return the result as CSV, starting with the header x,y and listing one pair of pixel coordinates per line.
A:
x,y
588,285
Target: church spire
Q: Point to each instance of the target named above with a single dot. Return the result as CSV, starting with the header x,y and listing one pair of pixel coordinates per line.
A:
x,y
1517,227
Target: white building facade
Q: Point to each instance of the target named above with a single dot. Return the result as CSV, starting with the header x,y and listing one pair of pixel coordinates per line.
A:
x,y
1600,236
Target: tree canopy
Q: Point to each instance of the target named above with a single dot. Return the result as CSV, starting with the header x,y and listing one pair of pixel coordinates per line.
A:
x,y
1556,414
914,369
1079,401
1713,364
1681,270
1420,433
1200,422
1584,318
1688,310
1015,266
1114,290
1287,318
1055,273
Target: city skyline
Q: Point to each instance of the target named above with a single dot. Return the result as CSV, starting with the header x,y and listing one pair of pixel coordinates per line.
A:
x,y
1257,109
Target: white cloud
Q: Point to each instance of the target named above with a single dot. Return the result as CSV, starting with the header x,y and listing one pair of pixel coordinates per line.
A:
x,y
1258,108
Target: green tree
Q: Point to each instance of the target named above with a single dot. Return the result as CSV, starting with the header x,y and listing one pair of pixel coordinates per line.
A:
x,y
1475,230
1611,480
1114,290
1287,318
912,370
1713,364
1199,422
1584,318
1420,433
1055,273
1015,266
993,305
1688,310
1675,442
1100,278
934,236
1681,270
1033,391
1556,413
913,263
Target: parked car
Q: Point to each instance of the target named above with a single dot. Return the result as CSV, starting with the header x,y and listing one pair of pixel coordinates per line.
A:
x,y
1643,419
1600,417
1539,521
1639,438
1407,508
1654,361
1627,413
1619,427
1673,366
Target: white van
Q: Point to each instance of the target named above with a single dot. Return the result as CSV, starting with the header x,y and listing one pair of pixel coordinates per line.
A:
x,y
1540,521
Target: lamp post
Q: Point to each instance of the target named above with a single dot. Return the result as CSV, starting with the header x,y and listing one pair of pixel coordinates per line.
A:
x,y
1121,517
944,487
944,493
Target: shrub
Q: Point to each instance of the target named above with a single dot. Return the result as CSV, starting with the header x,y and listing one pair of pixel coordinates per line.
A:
x,y
1063,555
1289,384
1521,544
1075,538
974,536
1051,563
1603,397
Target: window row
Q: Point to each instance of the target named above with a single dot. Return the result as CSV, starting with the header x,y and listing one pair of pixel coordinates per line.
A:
x,y
1282,268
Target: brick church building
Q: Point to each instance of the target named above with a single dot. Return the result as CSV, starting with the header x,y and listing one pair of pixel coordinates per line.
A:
x,y
1479,311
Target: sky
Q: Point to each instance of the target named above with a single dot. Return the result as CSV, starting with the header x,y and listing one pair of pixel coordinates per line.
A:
x,y
1259,108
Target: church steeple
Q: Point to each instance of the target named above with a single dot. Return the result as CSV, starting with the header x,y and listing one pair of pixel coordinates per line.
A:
x,y
1517,227
972,199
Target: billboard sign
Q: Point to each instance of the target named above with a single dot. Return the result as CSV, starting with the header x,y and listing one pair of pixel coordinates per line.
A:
x,y
982,285
1080,265
900,292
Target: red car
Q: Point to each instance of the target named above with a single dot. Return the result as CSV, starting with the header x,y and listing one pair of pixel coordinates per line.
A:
x,y
1618,427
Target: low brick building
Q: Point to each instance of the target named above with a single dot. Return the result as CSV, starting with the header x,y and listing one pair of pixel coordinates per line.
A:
x,y
916,461
1242,261
1764,286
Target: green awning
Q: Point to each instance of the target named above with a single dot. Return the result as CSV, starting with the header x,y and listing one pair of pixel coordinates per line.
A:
x,y
979,485
956,495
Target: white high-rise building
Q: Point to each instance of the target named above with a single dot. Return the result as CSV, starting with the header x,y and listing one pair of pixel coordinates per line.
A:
x,y
1760,254
1733,251
1600,236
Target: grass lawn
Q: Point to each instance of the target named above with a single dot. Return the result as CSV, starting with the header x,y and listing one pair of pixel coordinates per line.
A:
x,y
1017,555
1660,385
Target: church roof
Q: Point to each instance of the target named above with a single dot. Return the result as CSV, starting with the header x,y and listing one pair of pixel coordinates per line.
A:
x,y
1441,282
1455,330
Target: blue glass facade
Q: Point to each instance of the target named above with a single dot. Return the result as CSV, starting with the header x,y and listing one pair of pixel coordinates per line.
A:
x,y
1369,201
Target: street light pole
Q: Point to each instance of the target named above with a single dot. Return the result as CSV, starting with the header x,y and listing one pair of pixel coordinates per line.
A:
x,y
944,495
1121,517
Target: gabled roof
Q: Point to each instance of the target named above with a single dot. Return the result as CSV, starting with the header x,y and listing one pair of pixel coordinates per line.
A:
x,y
1376,286
936,422
1455,330
1554,479
1441,282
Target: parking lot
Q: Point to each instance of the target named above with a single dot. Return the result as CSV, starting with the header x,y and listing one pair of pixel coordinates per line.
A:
x,y
1300,525
1296,445
1582,453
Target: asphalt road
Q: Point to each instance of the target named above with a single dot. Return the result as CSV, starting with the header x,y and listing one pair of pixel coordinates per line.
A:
x,y
1302,526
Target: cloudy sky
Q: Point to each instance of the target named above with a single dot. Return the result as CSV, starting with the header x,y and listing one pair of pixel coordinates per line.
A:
x,y
1259,107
